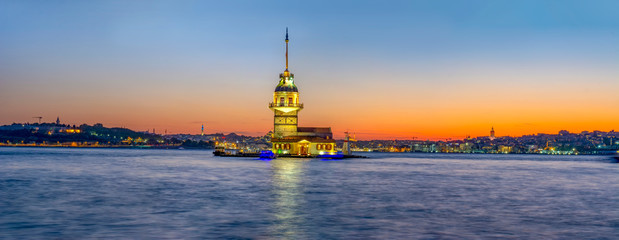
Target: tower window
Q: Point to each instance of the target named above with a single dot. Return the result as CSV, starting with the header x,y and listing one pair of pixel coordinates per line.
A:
x,y
290,103
281,101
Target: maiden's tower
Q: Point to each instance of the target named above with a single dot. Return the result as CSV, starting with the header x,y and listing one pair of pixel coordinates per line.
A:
x,y
288,138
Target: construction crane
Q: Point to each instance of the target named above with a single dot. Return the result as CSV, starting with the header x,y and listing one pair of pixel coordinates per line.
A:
x,y
39,119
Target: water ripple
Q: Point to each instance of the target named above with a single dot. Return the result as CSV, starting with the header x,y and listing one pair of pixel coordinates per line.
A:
x,y
168,194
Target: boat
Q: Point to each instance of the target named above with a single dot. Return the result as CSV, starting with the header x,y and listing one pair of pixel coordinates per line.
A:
x,y
616,158
223,152
219,150
337,155
267,154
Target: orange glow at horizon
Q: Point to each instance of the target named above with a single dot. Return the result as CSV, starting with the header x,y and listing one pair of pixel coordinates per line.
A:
x,y
435,110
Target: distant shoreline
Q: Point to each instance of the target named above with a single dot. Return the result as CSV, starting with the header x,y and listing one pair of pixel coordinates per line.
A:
x,y
190,148
101,146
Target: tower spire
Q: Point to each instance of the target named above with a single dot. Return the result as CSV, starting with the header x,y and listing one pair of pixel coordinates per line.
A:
x,y
286,49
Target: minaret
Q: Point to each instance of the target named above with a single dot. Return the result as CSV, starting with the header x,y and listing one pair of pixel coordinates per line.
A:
x,y
285,103
57,120
202,134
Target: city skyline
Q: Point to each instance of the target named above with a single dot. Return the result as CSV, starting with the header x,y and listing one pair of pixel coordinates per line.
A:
x,y
398,70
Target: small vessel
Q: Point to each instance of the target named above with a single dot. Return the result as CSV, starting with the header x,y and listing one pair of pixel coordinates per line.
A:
x,y
219,150
224,152
267,154
337,155
616,158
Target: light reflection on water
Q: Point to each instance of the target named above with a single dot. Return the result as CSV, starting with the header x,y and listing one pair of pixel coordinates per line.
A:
x,y
287,176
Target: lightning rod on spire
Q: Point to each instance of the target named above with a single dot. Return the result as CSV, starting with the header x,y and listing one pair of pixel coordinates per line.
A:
x,y
286,48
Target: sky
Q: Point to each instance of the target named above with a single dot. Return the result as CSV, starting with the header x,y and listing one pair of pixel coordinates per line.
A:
x,y
381,69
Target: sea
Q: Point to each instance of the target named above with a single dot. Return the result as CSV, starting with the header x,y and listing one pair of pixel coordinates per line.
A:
x,y
80,193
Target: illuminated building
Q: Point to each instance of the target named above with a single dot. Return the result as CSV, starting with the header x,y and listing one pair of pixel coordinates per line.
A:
x,y
72,130
492,137
288,138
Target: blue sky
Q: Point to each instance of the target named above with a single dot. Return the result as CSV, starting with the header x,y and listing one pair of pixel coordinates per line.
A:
x,y
120,55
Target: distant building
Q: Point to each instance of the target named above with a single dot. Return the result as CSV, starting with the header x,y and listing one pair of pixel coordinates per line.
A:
x,y
288,138
492,137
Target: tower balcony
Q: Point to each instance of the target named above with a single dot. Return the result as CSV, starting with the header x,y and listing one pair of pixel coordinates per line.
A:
x,y
286,107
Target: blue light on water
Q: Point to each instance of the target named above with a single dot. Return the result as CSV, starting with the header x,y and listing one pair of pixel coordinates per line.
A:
x,y
332,155
267,154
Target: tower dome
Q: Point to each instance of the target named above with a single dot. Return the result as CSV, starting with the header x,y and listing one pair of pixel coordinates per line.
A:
x,y
286,88
286,83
